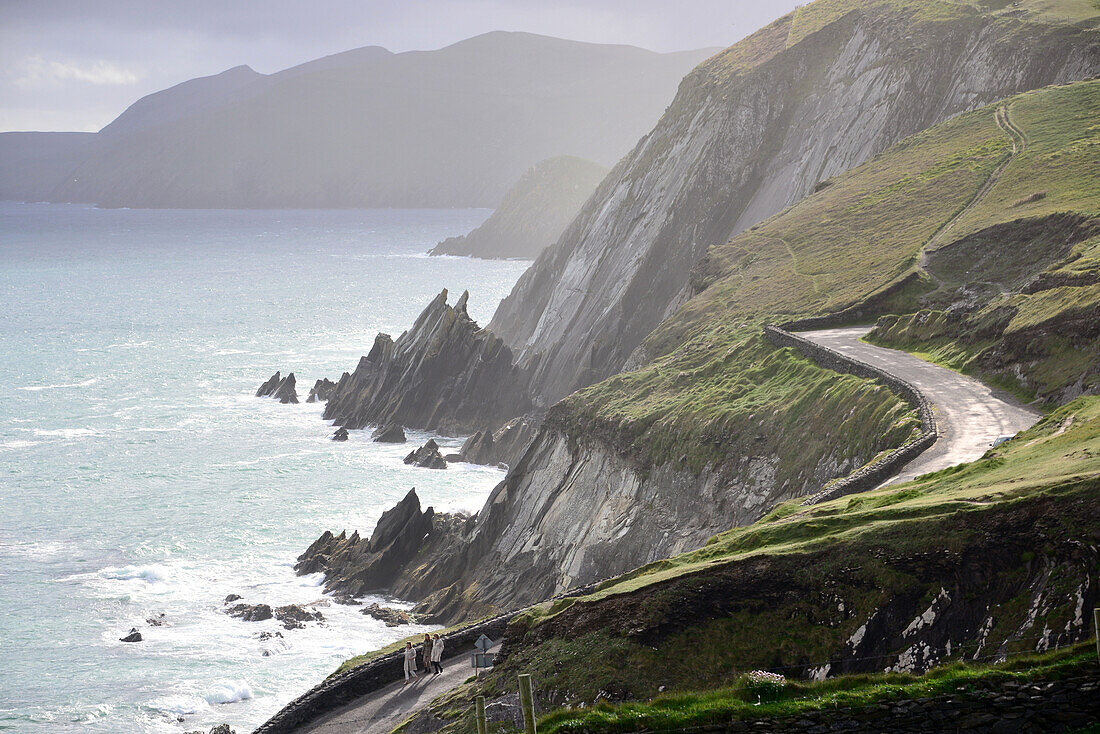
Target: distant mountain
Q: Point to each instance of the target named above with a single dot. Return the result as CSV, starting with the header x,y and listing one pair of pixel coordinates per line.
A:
x,y
366,128
533,213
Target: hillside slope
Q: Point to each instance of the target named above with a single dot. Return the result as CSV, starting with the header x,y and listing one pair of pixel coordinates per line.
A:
x,y
755,129
533,213
369,128
721,426
987,561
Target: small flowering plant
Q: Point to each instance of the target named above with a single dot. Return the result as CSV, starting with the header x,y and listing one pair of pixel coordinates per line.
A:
x,y
765,686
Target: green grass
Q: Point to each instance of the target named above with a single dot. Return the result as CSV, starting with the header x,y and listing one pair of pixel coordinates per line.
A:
x,y
735,702
583,648
1063,449
713,384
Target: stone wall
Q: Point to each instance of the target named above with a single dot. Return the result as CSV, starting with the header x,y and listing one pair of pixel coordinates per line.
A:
x,y
873,474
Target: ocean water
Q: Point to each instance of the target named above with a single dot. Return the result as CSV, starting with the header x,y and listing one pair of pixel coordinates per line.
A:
x,y
139,476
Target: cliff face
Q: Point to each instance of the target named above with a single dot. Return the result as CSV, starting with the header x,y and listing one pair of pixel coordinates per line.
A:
x,y
445,374
751,131
533,213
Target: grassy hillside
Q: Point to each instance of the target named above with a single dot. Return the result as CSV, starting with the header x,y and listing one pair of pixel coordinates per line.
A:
x,y
713,383
988,558
1018,285
981,561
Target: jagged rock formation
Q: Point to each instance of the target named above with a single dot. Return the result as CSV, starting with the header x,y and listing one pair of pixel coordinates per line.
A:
x,y
250,612
321,390
503,446
445,374
533,213
427,456
478,449
132,636
453,127
341,434
279,387
389,433
357,566
751,131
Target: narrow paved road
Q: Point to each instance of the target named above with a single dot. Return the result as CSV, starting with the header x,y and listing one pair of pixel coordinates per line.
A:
x,y
383,711
969,414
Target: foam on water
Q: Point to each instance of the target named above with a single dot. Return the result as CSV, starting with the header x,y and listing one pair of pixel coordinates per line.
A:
x,y
142,478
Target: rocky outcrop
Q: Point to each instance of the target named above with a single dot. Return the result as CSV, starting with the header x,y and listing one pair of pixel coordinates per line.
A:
x,y
478,449
341,434
356,566
752,131
533,213
292,616
411,554
132,636
279,387
321,390
427,456
250,612
445,374
389,433
392,617
502,446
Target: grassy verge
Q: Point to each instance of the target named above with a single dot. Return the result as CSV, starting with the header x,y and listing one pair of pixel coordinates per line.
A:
x,y
741,701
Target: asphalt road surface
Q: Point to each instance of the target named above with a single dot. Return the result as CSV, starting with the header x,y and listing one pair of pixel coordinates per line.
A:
x,y
969,414
384,710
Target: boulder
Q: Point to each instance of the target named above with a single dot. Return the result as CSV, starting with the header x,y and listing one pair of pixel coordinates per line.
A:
x,y
157,620
232,597
250,612
320,391
427,456
341,434
133,636
281,388
392,617
389,433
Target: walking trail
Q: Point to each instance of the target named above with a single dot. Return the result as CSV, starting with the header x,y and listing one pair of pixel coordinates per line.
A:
x,y
969,414
384,710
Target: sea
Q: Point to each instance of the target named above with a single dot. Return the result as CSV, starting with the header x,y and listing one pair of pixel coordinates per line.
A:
x,y
140,477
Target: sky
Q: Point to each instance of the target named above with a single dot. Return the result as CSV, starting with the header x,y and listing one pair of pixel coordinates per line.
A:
x,y
77,64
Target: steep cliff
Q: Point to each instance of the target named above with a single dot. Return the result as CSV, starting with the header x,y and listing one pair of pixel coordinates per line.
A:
x,y
533,213
753,130
445,374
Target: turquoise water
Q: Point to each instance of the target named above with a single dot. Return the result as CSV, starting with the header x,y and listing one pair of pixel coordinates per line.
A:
x,y
140,476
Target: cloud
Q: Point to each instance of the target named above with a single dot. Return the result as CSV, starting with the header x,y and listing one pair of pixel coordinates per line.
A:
x,y
38,72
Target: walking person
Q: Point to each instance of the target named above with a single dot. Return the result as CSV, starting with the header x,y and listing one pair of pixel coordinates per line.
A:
x,y
426,653
437,655
410,663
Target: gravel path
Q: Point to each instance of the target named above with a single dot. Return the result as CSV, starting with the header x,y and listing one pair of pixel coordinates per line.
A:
x,y
969,415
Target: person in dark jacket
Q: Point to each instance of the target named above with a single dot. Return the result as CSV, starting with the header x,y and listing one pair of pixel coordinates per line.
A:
x,y
426,653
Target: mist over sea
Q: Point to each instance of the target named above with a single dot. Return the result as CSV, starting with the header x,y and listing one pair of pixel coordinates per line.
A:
x,y
139,476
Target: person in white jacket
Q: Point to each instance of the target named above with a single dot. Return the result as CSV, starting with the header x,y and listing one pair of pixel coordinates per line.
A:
x,y
410,663
437,655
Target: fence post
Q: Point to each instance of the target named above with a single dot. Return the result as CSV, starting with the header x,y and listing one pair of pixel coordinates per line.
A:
x,y
479,706
527,702
1096,628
